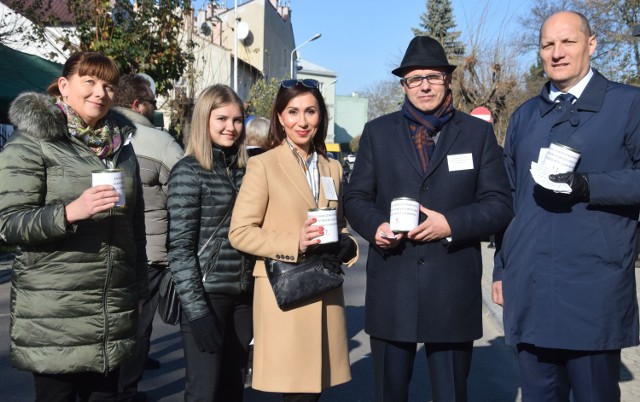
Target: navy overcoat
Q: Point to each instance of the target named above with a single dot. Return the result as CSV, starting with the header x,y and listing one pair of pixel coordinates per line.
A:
x,y
428,292
568,268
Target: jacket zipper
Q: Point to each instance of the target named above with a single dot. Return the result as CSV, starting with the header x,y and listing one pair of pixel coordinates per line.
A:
x,y
109,259
216,250
105,311
243,261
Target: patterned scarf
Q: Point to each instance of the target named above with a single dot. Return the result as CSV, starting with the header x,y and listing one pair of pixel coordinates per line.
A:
x,y
104,140
424,126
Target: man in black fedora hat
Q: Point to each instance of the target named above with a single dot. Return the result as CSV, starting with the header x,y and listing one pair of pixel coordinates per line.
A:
x,y
423,286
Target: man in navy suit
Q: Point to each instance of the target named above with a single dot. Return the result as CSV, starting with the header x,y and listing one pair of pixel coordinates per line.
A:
x,y
423,286
565,271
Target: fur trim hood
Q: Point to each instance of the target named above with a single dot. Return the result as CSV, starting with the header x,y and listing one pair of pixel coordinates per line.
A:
x,y
38,115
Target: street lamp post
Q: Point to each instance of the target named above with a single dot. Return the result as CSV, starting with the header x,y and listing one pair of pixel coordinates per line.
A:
x,y
294,70
235,46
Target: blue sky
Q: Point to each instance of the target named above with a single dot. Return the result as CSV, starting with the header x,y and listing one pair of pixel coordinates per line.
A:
x,y
363,40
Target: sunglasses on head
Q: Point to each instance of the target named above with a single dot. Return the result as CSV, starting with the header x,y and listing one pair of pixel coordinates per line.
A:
x,y
309,83
151,101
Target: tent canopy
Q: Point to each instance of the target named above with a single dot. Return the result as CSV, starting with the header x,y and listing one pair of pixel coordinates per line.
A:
x,y
21,72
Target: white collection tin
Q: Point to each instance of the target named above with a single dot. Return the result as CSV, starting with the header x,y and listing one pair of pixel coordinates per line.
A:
x,y
560,158
405,214
328,219
114,177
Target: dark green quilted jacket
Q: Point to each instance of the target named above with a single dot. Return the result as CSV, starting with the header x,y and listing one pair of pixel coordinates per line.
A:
x,y
198,201
75,288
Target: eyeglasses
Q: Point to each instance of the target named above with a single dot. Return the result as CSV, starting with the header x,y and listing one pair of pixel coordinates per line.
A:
x,y
151,101
309,83
416,80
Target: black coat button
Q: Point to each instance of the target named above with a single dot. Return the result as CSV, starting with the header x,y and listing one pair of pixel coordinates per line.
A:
x,y
421,261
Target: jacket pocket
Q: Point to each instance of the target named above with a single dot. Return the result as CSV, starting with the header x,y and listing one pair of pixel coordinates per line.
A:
x,y
210,263
610,241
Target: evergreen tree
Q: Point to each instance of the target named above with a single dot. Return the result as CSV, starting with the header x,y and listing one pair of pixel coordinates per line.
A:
x,y
438,23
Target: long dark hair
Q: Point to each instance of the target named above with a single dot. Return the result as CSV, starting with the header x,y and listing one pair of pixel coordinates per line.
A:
x,y
284,96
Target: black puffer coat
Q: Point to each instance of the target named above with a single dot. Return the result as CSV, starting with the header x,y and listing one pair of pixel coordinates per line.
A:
x,y
197,202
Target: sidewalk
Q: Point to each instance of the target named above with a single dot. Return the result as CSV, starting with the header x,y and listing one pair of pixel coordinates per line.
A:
x,y
494,375
630,370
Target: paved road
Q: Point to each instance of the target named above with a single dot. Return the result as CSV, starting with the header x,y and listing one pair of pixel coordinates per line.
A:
x,y
494,371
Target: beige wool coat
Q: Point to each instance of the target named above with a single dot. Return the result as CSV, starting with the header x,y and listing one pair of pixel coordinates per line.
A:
x,y
303,349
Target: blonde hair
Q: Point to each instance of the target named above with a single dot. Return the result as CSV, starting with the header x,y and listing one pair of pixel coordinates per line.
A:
x,y
258,132
199,144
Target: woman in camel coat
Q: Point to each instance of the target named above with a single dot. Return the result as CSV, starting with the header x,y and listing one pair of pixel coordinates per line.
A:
x,y
301,351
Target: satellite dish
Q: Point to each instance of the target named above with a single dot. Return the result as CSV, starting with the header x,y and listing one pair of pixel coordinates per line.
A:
x,y
205,29
243,30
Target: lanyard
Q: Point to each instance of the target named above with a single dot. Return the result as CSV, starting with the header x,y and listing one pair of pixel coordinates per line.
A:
x,y
310,170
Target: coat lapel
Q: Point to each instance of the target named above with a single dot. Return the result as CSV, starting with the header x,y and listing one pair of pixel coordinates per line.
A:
x,y
403,138
325,171
589,103
446,139
291,169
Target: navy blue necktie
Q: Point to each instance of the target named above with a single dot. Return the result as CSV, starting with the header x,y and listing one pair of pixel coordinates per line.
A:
x,y
565,98
565,102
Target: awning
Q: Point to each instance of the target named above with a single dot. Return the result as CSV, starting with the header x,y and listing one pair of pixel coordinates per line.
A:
x,y
332,147
21,72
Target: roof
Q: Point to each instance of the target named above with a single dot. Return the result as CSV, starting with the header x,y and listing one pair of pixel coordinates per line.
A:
x,y
56,10
23,72
308,67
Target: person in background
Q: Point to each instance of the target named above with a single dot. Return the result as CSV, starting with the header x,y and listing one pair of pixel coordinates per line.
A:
x,y
347,167
565,271
257,135
157,152
301,351
423,286
213,280
80,273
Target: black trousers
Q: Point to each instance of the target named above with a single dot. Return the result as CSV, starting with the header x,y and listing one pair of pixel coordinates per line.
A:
x,y
548,375
86,387
131,372
449,365
220,376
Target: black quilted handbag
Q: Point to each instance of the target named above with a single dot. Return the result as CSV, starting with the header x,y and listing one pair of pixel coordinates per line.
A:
x,y
169,308
295,283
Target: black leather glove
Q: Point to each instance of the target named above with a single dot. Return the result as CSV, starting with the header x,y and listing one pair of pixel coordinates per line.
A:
x,y
347,246
332,263
206,334
579,183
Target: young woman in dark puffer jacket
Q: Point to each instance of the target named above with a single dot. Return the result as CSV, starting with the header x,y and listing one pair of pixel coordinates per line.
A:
x,y
214,281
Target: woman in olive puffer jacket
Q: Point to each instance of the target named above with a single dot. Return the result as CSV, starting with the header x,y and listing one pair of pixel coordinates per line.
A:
x,y
80,268
213,280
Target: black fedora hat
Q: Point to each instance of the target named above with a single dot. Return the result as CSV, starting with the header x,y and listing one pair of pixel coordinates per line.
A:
x,y
425,52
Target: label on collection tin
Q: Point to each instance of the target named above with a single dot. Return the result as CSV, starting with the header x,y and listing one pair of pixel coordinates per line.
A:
x,y
328,219
405,214
114,177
